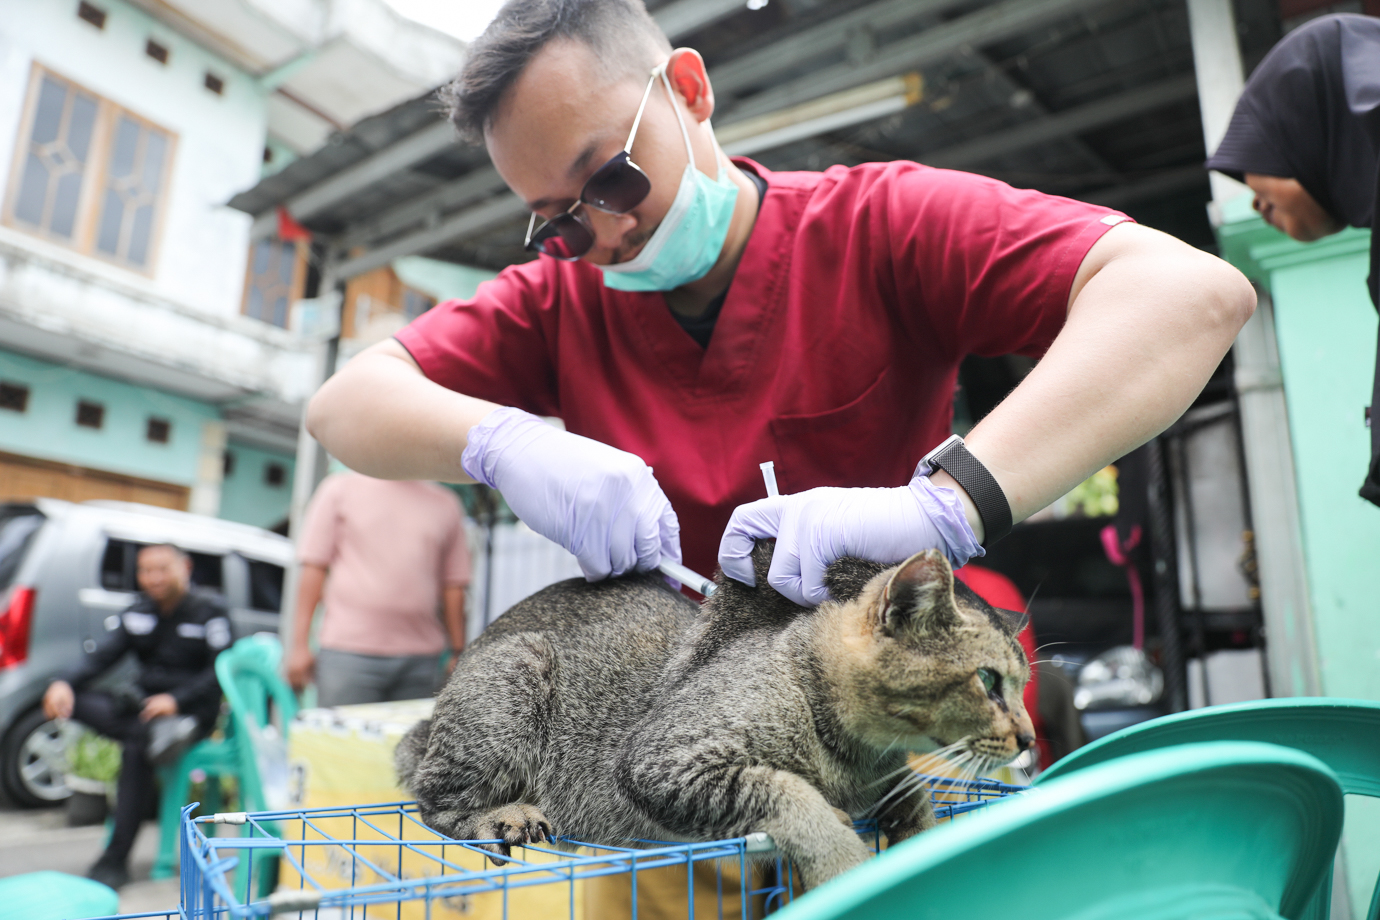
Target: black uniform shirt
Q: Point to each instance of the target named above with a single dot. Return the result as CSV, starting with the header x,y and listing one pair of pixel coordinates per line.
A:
x,y
177,652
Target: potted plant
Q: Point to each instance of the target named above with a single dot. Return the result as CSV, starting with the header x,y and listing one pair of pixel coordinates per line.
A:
x,y
93,764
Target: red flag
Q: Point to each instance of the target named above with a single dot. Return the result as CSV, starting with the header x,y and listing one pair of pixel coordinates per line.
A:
x,y
289,230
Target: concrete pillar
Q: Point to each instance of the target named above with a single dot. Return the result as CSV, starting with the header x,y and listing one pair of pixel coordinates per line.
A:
x,y
1291,653
1290,643
210,470
1217,63
312,460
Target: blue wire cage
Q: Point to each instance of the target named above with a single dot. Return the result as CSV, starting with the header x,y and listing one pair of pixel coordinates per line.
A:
x,y
382,861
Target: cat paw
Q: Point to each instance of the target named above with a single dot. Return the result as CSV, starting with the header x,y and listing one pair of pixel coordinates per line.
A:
x,y
513,826
921,819
844,817
816,872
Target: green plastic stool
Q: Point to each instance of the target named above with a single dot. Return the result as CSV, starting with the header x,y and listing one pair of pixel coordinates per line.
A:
x,y
215,758
55,896
1238,830
248,676
1344,734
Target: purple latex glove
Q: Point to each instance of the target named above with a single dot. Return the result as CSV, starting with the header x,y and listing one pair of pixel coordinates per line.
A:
x,y
814,528
601,503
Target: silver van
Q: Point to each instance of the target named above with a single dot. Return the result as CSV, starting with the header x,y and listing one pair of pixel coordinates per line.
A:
x,y
64,569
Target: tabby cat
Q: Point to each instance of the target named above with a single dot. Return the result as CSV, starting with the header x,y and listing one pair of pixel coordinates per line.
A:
x,y
620,710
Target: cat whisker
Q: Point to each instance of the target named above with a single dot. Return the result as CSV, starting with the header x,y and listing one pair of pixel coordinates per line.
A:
x,y
901,787
911,782
906,767
899,793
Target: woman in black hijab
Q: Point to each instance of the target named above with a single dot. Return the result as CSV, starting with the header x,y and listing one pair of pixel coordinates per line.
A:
x,y
1305,137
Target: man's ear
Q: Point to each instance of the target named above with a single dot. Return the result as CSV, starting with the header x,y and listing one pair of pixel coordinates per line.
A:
x,y
920,595
689,78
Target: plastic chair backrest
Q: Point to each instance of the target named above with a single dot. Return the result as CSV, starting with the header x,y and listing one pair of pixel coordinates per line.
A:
x,y
1344,734
248,675
1225,829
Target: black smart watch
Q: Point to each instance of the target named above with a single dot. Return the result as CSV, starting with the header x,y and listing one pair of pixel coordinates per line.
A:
x,y
953,457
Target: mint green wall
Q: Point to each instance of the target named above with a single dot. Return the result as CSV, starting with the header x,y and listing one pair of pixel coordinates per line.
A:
x,y
1326,329
442,280
245,497
48,429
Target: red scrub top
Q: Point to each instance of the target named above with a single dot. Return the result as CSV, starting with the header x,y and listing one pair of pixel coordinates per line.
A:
x,y
836,352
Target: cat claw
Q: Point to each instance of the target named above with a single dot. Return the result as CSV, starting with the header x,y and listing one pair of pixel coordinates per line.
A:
x,y
513,826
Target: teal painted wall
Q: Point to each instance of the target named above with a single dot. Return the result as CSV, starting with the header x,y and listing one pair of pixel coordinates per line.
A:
x,y
48,428
442,280
1326,328
1327,351
245,497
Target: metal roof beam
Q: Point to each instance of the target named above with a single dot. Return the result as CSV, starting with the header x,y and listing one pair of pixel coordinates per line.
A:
x,y
415,148
677,19
683,17
468,222
473,186
1072,121
1156,186
989,24
758,66
1094,159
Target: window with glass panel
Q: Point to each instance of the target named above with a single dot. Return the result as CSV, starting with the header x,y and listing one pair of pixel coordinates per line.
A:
x,y
130,190
89,173
276,272
415,303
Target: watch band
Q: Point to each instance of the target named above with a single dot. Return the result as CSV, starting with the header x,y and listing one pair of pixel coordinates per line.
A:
x,y
953,457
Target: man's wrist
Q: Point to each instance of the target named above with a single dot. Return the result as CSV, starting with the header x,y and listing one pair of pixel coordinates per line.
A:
x,y
975,485
475,460
970,510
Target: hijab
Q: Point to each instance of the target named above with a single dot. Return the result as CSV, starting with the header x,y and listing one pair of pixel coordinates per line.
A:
x,y
1311,112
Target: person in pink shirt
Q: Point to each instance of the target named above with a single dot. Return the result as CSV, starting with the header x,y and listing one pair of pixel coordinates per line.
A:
x,y
391,560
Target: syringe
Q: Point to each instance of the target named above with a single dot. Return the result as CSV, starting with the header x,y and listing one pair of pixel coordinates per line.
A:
x,y
695,581
692,580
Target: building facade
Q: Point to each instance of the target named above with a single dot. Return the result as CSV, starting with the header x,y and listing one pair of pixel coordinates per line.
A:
x,y
145,348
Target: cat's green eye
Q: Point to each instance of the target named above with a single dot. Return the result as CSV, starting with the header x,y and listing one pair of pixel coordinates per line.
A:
x,y
990,680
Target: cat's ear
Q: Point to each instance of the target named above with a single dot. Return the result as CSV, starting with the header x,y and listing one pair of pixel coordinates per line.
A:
x,y
1010,621
920,595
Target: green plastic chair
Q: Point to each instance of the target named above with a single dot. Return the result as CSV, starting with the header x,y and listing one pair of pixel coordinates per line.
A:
x,y
248,676
49,895
1344,734
1220,830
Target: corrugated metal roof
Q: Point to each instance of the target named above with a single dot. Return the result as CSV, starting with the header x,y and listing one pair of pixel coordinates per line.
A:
x,y
1088,98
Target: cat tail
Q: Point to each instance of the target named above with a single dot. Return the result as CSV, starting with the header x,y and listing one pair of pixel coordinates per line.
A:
x,y
409,753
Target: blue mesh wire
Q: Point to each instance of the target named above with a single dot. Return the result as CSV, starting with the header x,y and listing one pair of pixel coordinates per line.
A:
x,y
394,859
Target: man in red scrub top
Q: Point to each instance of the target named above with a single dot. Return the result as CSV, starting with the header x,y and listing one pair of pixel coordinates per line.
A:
x,y
696,315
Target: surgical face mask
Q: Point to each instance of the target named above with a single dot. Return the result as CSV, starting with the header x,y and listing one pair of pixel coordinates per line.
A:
x,y
687,244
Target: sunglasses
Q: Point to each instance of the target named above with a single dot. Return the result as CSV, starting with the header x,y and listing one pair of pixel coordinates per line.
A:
x,y
616,188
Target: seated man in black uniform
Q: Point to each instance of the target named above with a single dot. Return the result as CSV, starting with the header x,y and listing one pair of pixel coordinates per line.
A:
x,y
176,632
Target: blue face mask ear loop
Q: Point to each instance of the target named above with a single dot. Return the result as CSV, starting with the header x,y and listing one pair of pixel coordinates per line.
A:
x,y
660,71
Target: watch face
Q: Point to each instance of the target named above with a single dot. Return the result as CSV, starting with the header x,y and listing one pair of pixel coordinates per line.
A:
x,y
943,448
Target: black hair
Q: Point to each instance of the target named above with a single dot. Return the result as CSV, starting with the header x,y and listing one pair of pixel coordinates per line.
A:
x,y
177,551
621,33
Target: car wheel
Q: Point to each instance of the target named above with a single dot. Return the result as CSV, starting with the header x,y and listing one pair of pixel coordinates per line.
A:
x,y
35,759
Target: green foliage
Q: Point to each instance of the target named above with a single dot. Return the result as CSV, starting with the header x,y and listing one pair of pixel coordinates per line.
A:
x,y
1096,496
95,757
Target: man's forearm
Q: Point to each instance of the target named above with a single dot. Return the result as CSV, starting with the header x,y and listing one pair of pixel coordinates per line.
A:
x,y
455,616
382,417
1144,333
309,584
